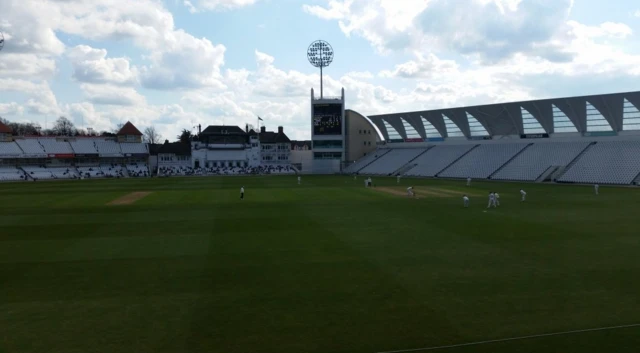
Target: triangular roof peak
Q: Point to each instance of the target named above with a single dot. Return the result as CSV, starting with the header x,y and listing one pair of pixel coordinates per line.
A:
x,y
129,129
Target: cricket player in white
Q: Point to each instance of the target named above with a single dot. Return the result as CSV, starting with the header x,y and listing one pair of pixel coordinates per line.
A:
x,y
465,200
496,198
299,179
524,194
398,179
596,187
468,181
242,193
492,200
410,191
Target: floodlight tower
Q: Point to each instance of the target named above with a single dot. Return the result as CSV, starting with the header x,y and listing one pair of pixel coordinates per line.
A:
x,y
320,54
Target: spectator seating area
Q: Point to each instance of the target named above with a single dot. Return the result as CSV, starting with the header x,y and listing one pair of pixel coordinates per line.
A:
x,y
392,161
436,159
483,161
51,145
10,148
84,146
535,160
364,161
136,170
30,146
11,174
112,170
606,163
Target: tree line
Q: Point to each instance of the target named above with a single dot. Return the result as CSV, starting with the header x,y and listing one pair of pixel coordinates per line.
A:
x,y
65,127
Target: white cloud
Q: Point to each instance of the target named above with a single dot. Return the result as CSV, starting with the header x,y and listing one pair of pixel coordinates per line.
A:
x,y
422,67
23,65
217,5
92,66
112,95
12,108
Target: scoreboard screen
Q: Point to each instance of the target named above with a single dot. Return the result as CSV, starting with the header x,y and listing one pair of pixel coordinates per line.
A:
x,y
327,119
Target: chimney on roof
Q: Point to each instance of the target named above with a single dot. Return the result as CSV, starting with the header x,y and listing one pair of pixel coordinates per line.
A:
x,y
246,128
280,130
199,129
263,129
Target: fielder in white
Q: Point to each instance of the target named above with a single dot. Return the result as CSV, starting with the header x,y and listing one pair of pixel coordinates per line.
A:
x,y
524,194
496,198
410,192
465,200
398,179
596,187
492,200
468,181
299,180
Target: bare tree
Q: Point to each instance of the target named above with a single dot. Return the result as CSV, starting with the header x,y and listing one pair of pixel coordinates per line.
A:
x,y
64,127
151,135
185,136
118,128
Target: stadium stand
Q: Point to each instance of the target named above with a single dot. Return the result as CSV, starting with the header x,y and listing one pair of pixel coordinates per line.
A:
x,y
134,148
483,161
30,146
51,145
137,170
10,148
84,146
392,161
11,174
606,163
112,170
91,172
63,173
538,158
108,147
37,172
437,159
366,160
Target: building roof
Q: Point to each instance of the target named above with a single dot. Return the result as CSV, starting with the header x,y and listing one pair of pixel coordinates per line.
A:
x,y
177,148
154,148
273,137
223,130
129,129
503,119
5,129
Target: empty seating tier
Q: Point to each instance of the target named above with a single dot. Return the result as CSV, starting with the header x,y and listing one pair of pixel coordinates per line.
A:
x,y
436,159
134,148
392,161
51,145
108,147
9,148
483,161
30,146
535,160
606,163
364,161
84,146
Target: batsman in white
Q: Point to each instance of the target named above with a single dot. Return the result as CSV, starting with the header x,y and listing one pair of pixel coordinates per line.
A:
x,y
465,200
596,187
524,195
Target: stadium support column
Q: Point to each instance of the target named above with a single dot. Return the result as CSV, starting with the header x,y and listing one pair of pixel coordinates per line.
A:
x,y
327,133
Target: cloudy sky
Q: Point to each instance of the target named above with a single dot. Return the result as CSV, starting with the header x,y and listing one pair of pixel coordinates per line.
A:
x,y
175,63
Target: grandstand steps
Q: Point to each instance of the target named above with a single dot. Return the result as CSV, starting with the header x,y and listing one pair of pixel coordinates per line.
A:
x,y
636,180
384,151
549,173
510,160
456,160
574,161
409,165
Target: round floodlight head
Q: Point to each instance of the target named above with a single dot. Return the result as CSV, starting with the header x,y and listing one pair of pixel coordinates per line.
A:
x,y
1,41
320,53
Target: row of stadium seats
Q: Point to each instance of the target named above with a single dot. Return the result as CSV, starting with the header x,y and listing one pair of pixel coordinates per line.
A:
x,y
582,161
10,173
81,146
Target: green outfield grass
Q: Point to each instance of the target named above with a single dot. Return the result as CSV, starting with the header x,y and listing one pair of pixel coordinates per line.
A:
x,y
324,267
